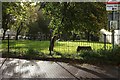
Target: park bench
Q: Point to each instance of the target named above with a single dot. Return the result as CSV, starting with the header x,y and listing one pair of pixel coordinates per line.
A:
x,y
80,48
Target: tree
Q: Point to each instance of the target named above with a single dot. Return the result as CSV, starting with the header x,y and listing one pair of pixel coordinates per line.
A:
x,y
39,26
23,12
77,17
7,17
43,24
26,15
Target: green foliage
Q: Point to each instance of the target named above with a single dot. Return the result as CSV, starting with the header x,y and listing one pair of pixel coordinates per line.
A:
x,y
40,25
11,53
17,13
31,53
111,56
83,16
34,29
43,24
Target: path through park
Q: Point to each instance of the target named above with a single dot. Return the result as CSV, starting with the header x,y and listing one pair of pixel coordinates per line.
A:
x,y
19,68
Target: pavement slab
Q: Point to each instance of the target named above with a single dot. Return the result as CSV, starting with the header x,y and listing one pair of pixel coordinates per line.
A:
x,y
20,68
92,71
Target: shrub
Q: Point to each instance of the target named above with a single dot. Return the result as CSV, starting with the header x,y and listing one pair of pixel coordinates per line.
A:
x,y
65,55
31,53
102,56
10,54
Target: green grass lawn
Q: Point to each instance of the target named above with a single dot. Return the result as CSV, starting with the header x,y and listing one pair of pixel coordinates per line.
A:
x,y
63,50
42,46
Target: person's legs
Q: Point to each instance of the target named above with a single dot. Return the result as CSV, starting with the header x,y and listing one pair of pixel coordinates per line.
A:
x,y
51,48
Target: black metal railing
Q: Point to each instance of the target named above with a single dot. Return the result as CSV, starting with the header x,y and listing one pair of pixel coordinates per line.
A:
x,y
41,44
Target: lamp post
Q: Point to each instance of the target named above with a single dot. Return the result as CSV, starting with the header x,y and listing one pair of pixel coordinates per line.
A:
x,y
8,33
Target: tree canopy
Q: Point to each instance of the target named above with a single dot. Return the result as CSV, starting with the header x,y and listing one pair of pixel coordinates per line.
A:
x,y
18,15
65,17
72,16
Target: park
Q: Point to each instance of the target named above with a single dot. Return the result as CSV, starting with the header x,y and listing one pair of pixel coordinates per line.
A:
x,y
66,32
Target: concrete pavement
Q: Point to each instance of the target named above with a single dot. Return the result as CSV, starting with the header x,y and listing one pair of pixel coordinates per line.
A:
x,y
20,68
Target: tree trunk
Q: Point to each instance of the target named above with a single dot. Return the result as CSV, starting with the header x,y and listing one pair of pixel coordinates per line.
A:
x,y
88,36
16,37
18,31
73,37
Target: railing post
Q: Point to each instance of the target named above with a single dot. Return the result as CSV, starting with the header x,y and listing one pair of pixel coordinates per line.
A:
x,y
8,43
104,41
113,39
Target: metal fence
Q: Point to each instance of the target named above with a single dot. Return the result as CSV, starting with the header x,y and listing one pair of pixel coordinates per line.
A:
x,y
113,40
61,45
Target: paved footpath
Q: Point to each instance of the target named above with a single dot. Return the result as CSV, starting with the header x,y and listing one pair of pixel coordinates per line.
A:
x,y
20,68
